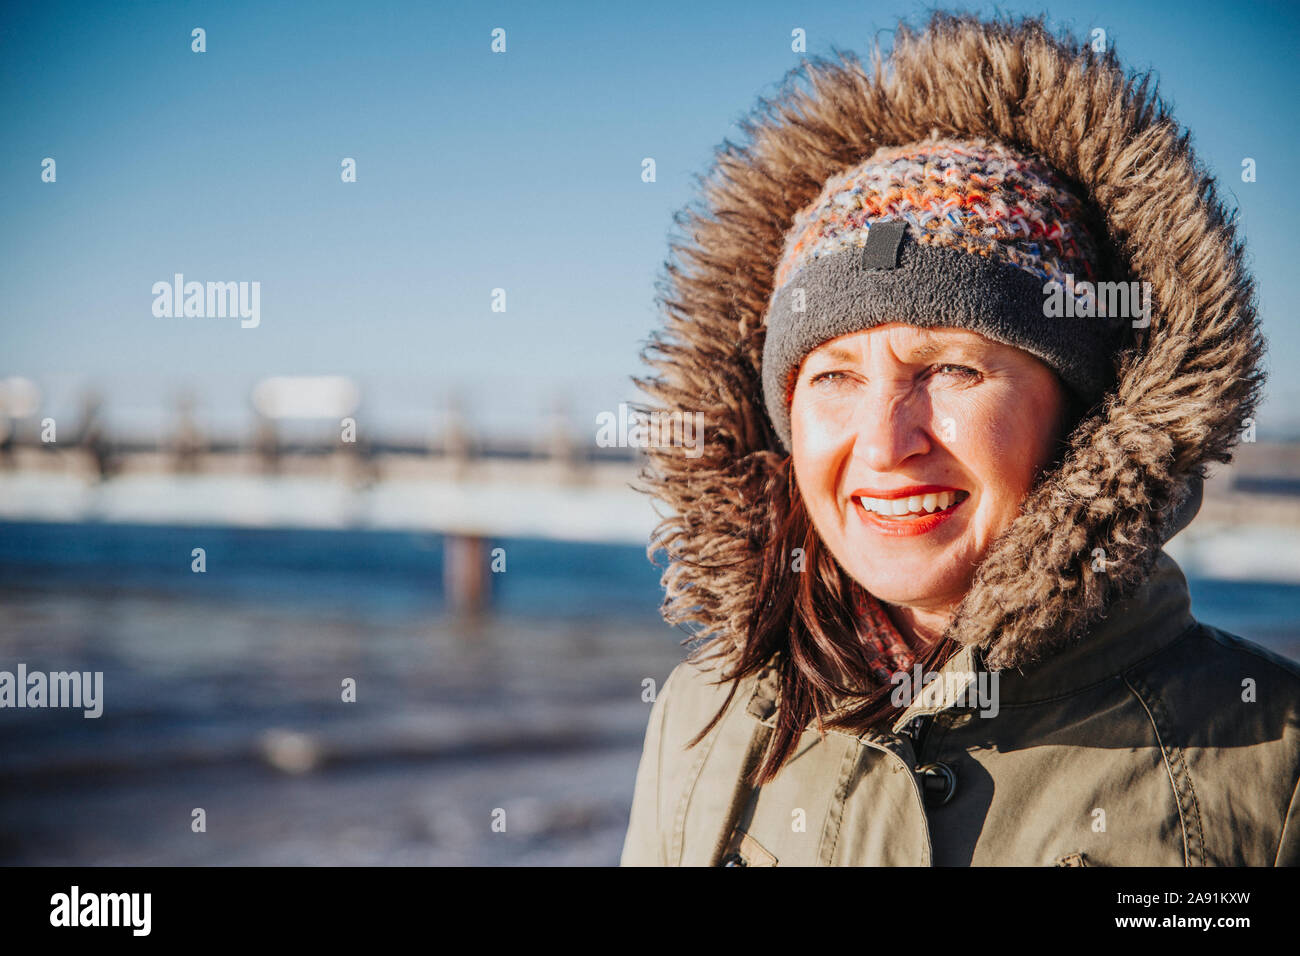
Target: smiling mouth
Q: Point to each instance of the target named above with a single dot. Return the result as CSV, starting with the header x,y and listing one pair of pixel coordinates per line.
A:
x,y
912,506
907,512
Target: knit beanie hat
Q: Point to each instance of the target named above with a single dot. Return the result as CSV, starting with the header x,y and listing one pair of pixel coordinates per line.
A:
x,y
944,233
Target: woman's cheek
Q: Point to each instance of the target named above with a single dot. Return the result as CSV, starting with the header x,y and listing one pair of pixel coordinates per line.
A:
x,y
981,432
966,424
823,423
999,442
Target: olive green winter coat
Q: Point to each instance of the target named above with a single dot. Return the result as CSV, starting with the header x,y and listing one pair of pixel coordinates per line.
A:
x,y
1156,741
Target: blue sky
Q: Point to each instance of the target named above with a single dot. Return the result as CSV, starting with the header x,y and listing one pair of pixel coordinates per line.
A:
x,y
475,171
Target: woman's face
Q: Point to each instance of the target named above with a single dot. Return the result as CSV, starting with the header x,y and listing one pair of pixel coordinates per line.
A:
x,y
914,448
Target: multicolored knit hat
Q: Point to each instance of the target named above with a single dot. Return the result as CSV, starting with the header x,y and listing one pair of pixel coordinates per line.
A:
x,y
942,233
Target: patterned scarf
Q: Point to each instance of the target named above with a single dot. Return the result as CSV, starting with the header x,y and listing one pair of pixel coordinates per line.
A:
x,y
887,651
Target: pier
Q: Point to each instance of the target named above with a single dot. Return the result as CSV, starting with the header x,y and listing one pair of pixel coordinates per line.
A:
x,y
559,485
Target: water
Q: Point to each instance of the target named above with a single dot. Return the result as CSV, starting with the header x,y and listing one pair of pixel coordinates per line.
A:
x,y
384,573
223,693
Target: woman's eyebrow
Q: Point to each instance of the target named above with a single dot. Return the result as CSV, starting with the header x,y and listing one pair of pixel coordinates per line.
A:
x,y
926,352
836,353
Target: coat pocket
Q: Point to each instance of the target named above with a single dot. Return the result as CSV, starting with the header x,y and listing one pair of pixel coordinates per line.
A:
x,y
744,850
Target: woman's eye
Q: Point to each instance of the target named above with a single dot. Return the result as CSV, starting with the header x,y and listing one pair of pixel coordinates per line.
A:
x,y
829,378
962,371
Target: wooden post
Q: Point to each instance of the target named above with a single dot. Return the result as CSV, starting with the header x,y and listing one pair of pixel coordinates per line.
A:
x,y
266,444
465,575
187,444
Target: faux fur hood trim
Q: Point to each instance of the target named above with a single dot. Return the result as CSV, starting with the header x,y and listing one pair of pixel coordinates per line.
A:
x,y
1182,392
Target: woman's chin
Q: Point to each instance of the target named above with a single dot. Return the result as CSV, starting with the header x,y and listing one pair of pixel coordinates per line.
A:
x,y
913,583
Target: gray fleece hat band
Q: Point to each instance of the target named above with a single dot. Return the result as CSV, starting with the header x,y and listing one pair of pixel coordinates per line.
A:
x,y
995,227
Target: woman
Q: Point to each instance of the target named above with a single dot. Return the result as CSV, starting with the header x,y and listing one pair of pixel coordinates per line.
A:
x,y
923,539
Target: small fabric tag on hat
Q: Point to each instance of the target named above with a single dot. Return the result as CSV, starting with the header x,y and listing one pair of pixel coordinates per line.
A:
x,y
880,251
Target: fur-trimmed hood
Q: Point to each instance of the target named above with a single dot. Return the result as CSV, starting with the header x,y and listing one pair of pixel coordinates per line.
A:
x,y
1131,477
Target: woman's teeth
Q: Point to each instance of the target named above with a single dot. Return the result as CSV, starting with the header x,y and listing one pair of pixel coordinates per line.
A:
x,y
915,505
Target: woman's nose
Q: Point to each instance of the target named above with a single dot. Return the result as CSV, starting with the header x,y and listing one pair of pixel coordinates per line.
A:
x,y
889,430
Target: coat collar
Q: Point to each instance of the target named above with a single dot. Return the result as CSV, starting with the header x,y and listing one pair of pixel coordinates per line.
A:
x,y
1154,616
